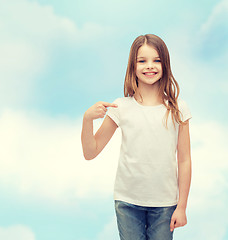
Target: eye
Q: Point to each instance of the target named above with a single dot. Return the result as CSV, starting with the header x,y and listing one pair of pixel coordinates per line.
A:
x,y
158,60
141,61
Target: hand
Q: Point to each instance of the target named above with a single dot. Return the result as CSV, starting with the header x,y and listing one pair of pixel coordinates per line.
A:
x,y
178,219
98,110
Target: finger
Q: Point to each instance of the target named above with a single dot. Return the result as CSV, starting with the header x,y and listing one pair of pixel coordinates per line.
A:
x,y
102,107
172,224
177,224
102,114
106,104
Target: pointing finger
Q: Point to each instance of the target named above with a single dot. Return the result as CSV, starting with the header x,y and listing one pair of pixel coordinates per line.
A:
x,y
106,104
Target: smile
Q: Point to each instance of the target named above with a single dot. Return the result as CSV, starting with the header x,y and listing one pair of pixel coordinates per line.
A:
x,y
150,73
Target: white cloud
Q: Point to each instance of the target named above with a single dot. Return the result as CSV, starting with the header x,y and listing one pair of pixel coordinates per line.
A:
x,y
219,16
29,35
16,232
40,25
42,157
213,36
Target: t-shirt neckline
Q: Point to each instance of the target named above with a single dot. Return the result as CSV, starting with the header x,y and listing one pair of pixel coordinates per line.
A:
x,y
146,106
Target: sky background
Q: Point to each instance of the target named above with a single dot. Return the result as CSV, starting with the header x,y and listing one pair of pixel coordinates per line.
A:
x,y
58,58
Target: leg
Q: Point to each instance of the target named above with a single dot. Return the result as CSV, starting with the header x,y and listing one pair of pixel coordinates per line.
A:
x,y
131,221
159,223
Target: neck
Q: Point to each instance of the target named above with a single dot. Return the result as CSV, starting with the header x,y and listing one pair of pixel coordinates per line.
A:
x,y
149,94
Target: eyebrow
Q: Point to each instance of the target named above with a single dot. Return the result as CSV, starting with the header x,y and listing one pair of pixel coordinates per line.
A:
x,y
145,57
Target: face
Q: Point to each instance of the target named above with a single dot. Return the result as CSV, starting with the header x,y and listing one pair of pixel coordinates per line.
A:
x,y
148,65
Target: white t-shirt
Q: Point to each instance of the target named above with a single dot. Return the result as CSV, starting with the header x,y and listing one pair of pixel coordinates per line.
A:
x,y
147,169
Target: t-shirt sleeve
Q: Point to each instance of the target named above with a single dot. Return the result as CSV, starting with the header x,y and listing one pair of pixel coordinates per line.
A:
x,y
184,109
113,112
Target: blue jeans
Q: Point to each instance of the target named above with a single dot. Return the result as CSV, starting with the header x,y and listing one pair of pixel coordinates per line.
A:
x,y
143,223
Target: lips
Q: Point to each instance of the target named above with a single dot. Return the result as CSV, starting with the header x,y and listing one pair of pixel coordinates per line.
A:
x,y
150,73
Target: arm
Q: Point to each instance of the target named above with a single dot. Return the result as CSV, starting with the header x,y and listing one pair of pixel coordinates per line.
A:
x,y
93,144
184,176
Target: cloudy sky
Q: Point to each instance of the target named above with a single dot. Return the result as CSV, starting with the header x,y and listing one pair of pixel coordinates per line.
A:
x,y
57,58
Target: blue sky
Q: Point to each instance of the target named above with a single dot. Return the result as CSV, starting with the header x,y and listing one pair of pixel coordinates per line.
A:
x,y
60,57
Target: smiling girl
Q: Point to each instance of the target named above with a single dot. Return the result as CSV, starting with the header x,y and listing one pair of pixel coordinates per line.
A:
x,y
154,171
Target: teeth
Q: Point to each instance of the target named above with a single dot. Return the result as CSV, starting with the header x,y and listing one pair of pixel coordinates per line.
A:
x,y
149,73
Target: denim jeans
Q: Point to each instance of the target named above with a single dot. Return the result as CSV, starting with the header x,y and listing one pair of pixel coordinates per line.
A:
x,y
143,223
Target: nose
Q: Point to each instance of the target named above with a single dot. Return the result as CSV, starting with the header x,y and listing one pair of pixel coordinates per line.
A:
x,y
150,64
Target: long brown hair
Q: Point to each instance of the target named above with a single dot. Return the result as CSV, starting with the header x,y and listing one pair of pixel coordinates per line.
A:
x,y
168,87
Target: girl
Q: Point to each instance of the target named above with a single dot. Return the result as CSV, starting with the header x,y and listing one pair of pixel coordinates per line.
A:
x,y
150,194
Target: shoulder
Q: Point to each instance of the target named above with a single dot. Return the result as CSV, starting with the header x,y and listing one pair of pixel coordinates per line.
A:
x,y
181,103
123,103
184,109
123,100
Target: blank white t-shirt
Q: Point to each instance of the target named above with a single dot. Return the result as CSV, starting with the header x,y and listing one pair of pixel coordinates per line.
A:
x,y
147,169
